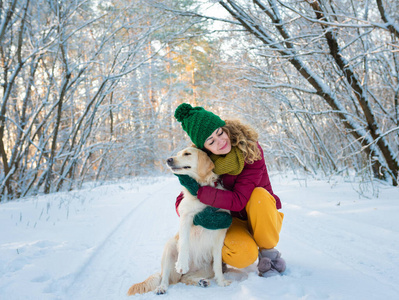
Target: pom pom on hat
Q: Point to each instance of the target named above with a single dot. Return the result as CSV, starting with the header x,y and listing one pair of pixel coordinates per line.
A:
x,y
182,111
197,122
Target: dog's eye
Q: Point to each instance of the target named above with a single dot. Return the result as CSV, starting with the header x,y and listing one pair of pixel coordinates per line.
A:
x,y
187,153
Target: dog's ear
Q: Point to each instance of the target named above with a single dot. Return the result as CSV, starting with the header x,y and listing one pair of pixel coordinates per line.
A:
x,y
205,165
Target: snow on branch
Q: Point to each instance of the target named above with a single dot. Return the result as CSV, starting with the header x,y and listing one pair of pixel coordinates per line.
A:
x,y
389,22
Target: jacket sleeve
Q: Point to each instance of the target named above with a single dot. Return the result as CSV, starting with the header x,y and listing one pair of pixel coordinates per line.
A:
x,y
238,198
178,200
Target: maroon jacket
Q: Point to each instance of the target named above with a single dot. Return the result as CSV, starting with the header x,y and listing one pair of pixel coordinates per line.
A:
x,y
238,189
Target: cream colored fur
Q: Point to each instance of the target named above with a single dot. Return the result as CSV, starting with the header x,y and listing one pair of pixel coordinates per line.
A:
x,y
194,255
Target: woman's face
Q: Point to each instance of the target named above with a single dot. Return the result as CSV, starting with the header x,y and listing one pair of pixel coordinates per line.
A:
x,y
218,142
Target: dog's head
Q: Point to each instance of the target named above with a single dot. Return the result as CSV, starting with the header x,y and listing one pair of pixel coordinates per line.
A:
x,y
192,162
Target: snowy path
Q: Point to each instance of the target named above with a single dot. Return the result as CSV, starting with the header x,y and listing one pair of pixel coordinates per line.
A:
x,y
95,243
135,242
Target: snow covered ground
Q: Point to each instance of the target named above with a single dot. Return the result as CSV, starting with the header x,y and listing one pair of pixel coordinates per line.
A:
x,y
95,243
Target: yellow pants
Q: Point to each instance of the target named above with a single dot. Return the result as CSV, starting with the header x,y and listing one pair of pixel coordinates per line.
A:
x,y
261,230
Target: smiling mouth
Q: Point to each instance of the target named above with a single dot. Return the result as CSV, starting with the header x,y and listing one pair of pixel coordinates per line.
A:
x,y
225,145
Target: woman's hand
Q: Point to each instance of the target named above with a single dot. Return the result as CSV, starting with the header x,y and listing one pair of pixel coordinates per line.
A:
x,y
211,218
189,183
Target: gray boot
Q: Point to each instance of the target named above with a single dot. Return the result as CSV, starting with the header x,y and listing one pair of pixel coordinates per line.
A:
x,y
270,262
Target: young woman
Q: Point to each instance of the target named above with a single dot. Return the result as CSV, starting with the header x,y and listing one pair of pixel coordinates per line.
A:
x,y
238,159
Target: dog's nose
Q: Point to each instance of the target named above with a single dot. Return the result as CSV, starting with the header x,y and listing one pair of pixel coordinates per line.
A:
x,y
169,161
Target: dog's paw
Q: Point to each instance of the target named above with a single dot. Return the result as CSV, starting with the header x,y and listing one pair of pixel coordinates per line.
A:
x,y
181,268
160,290
204,282
223,282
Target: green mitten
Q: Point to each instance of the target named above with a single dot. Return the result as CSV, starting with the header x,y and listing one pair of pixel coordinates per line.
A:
x,y
189,183
211,219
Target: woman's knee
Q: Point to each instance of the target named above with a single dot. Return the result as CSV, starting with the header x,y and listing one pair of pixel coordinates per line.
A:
x,y
260,201
240,254
260,193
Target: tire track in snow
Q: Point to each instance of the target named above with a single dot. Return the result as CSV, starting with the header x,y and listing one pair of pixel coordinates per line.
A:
x,y
118,249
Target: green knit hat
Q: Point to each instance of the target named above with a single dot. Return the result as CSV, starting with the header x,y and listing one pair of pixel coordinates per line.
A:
x,y
197,122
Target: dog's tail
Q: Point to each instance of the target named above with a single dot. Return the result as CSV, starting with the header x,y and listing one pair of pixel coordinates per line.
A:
x,y
146,286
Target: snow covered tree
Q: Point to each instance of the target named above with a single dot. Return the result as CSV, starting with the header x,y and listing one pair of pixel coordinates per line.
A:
x,y
87,90
335,52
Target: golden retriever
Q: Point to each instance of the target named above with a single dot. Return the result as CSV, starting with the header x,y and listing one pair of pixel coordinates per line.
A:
x,y
194,255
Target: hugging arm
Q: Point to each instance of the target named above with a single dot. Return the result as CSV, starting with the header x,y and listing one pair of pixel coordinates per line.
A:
x,y
210,217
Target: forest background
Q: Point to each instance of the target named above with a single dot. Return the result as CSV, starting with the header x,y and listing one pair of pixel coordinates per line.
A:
x,y
88,88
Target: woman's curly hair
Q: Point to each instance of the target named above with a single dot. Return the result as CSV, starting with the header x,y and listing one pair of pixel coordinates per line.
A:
x,y
245,138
